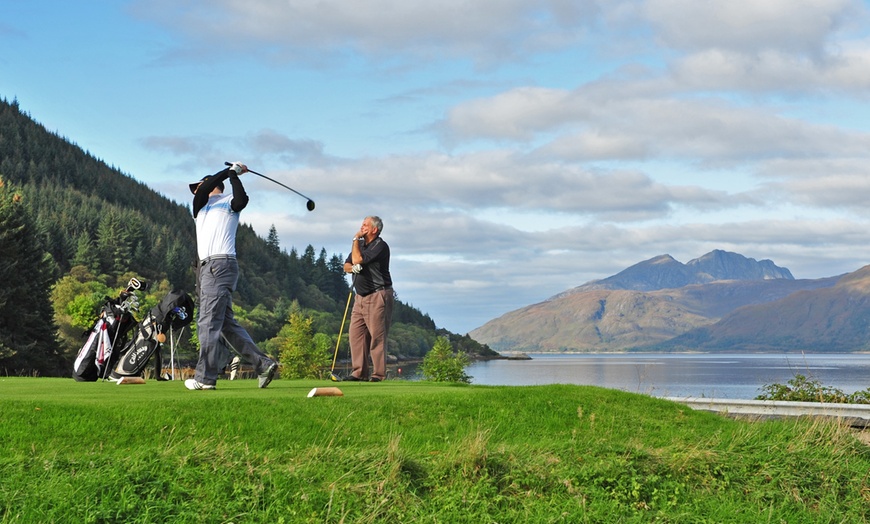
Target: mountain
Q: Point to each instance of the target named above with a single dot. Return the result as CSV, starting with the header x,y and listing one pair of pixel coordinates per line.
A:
x,y
828,319
663,272
649,305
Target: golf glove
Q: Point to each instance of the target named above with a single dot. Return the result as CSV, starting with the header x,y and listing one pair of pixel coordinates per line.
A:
x,y
237,167
356,268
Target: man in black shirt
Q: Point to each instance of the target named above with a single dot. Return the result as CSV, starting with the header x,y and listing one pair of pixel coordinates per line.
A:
x,y
369,262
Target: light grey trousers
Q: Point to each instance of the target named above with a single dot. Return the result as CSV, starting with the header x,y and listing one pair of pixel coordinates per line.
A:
x,y
217,281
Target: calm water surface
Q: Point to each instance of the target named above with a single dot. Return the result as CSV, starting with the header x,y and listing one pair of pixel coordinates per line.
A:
x,y
736,376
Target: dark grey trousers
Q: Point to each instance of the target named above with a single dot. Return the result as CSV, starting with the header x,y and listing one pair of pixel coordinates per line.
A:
x,y
217,281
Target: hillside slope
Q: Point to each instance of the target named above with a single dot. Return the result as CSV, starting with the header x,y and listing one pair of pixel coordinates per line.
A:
x,y
829,319
636,310
99,226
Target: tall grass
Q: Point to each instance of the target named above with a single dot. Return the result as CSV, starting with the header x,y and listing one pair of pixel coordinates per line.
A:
x,y
409,452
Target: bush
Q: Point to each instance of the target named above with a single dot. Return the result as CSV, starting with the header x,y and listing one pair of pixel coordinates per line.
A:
x,y
803,389
300,354
441,364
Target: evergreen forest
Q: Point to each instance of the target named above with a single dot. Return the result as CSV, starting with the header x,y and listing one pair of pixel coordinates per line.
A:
x,y
74,230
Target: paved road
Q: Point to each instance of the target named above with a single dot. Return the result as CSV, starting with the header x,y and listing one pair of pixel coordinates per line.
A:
x,y
855,415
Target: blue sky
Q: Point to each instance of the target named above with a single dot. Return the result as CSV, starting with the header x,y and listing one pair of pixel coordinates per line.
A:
x,y
514,148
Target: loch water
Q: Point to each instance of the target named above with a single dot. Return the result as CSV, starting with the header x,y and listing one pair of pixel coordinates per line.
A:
x,y
726,376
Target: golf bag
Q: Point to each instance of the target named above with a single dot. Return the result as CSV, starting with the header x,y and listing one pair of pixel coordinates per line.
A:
x,y
109,331
175,311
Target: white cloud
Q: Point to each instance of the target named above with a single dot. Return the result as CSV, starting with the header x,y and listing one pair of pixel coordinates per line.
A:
x,y
517,114
484,31
594,124
775,72
793,26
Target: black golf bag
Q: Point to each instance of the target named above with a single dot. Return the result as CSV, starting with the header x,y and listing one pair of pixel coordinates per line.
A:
x,y
175,311
109,331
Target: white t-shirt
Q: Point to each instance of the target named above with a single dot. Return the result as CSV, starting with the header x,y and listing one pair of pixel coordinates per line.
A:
x,y
216,226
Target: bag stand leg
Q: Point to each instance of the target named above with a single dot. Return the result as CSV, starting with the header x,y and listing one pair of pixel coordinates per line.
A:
x,y
172,341
114,347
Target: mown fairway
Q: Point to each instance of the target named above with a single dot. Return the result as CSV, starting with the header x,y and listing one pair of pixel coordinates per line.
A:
x,y
409,452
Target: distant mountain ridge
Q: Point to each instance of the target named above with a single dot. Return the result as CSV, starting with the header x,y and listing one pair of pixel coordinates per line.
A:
x,y
664,272
721,301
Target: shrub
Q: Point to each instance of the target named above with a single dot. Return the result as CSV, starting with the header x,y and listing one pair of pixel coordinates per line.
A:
x,y
803,389
441,364
301,356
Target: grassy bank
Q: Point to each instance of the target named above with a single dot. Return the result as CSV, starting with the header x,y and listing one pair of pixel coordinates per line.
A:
x,y
409,452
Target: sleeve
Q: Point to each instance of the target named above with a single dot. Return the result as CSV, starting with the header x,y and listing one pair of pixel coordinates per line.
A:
x,y
240,196
200,198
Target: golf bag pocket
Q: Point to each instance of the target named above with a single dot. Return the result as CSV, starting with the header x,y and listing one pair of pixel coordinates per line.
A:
x,y
136,353
94,354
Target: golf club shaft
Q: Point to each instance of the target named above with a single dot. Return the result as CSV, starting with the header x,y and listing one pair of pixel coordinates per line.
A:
x,y
341,330
273,180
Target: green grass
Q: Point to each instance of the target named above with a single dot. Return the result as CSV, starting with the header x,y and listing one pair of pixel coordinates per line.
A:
x,y
409,452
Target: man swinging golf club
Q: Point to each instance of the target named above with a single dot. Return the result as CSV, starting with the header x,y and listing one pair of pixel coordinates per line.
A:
x,y
217,220
369,262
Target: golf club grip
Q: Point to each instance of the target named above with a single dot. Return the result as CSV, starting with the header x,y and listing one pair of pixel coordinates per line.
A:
x,y
250,171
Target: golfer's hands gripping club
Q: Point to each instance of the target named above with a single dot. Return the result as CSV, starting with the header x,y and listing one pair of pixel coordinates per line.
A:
x,y
238,167
356,268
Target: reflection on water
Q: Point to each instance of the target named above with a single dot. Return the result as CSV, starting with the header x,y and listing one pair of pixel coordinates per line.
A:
x,y
735,376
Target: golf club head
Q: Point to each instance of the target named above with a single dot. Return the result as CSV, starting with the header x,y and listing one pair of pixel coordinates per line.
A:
x,y
335,378
136,284
310,205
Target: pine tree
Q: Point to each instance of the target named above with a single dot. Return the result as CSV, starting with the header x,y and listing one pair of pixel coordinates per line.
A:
x,y
178,264
272,241
113,244
86,253
337,286
321,272
28,341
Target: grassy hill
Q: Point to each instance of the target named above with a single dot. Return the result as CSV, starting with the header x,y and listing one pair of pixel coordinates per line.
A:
x,y
409,452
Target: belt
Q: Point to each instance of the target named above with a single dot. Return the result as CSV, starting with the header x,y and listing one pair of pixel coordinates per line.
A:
x,y
375,290
216,257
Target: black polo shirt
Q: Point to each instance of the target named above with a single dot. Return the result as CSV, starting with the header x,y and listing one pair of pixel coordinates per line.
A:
x,y
375,274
